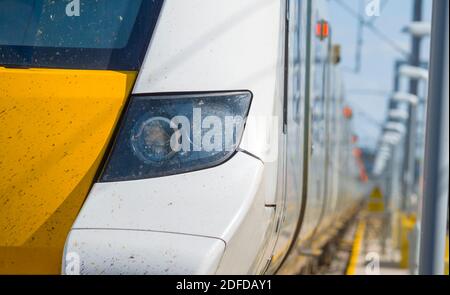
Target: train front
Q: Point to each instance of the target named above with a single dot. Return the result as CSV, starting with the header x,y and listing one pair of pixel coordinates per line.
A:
x,y
125,142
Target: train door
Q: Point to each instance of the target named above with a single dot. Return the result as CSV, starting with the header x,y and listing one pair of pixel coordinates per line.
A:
x,y
294,129
317,192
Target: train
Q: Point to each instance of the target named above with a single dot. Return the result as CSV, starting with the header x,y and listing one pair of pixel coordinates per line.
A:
x,y
172,137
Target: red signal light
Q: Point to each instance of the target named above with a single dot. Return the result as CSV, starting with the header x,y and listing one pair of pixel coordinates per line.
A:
x,y
348,112
322,29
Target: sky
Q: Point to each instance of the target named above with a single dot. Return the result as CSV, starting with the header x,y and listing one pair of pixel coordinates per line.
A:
x,y
368,91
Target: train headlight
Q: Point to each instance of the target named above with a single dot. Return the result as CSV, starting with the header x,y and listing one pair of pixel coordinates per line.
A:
x,y
166,135
150,140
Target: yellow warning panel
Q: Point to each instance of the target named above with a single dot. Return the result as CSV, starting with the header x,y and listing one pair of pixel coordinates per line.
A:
x,y
376,201
55,126
376,194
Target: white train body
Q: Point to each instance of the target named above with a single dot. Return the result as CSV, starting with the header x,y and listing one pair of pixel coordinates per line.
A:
x,y
292,176
257,208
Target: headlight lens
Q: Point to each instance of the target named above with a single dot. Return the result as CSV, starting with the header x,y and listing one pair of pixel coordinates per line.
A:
x,y
165,135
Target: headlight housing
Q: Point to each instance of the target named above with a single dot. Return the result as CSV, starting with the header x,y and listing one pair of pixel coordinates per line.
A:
x,y
171,134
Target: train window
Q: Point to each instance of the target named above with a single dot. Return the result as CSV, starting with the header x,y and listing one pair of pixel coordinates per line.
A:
x,y
101,34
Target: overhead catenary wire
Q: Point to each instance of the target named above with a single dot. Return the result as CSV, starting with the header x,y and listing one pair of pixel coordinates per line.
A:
x,y
374,29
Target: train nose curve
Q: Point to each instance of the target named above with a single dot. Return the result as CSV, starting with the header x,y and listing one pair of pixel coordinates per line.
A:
x,y
202,216
115,251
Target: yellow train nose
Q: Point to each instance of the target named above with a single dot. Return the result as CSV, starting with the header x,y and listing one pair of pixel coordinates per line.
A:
x,y
55,127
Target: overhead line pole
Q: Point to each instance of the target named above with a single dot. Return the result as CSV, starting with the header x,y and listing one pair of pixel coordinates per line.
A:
x,y
393,168
410,142
435,201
